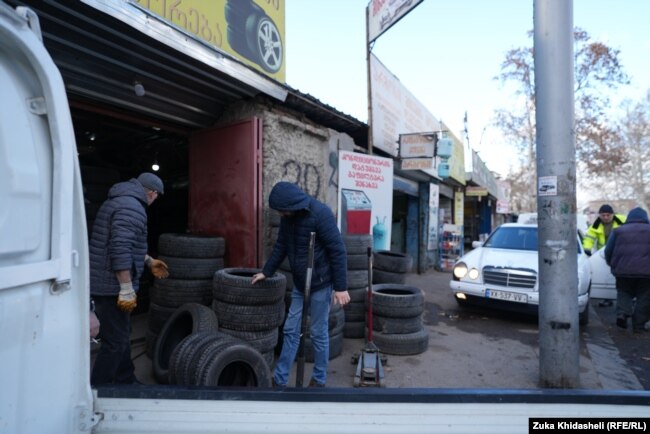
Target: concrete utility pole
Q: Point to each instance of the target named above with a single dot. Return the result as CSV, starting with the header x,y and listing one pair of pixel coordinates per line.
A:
x,y
556,194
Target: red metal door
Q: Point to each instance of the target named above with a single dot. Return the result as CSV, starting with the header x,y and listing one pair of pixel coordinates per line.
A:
x,y
225,189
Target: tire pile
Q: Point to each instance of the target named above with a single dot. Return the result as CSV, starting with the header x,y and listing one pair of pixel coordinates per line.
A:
x,y
250,312
191,351
355,312
390,267
192,261
397,319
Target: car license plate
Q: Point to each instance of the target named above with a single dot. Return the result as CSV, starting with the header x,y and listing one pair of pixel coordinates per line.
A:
x,y
505,295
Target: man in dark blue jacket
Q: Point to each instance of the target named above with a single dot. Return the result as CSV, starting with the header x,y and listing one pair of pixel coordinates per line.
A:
x,y
301,215
118,254
628,254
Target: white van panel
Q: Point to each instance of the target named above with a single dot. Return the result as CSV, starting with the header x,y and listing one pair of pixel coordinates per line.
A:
x,y
44,342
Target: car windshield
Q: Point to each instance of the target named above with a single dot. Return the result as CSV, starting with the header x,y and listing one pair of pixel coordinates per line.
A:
x,y
513,238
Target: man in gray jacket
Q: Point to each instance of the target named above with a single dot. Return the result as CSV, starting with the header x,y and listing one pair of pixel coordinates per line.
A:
x,y
118,254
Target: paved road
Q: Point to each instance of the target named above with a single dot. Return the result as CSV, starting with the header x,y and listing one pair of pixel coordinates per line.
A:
x,y
477,348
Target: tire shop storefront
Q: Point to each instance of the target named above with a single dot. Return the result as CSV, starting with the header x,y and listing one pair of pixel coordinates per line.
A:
x,y
481,195
221,133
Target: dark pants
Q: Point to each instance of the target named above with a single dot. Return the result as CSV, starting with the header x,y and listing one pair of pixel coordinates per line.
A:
x,y
629,288
113,363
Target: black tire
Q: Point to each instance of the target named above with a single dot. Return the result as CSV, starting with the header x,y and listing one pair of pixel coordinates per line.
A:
x,y
402,344
357,244
397,301
192,268
177,292
263,341
189,318
180,369
354,329
398,326
233,285
335,347
358,262
358,294
158,316
234,365
357,279
381,276
392,261
355,311
191,246
249,318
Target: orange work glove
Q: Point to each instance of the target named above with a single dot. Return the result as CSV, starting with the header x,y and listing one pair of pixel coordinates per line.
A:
x,y
158,269
127,299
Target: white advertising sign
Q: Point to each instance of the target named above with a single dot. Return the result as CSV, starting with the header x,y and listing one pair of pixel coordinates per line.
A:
x,y
382,14
434,198
416,145
395,111
416,163
366,197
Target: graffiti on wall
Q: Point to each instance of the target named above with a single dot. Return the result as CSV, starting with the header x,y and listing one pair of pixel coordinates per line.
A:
x,y
304,175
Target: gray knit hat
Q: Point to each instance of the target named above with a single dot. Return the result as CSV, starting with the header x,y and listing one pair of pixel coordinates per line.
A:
x,y
152,182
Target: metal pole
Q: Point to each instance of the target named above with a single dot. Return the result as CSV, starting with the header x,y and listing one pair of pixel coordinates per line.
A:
x,y
556,202
368,74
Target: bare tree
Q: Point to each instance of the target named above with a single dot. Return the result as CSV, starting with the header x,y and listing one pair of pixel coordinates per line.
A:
x,y
597,69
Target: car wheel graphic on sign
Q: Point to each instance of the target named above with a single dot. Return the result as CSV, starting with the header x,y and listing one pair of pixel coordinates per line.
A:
x,y
253,34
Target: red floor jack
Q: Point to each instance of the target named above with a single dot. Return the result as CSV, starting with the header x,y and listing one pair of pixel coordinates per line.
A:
x,y
370,371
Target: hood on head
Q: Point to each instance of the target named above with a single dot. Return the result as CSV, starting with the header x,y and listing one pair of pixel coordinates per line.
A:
x,y
637,215
286,196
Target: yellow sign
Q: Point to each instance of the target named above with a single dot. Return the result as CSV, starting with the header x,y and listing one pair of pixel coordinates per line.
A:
x,y
476,191
252,31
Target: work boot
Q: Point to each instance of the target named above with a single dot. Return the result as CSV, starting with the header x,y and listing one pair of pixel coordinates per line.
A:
x,y
314,383
276,385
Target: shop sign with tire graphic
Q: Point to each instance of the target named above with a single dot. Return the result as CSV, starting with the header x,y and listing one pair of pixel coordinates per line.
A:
x,y
253,34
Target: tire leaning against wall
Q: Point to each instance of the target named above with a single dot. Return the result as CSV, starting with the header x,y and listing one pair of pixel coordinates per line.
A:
x,y
187,319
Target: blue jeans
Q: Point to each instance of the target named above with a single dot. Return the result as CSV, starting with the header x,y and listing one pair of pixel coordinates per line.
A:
x,y
319,308
113,362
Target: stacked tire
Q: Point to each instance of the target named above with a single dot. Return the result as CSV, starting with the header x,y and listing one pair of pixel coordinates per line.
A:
x,y
213,358
335,325
390,267
192,261
250,312
187,319
397,319
356,246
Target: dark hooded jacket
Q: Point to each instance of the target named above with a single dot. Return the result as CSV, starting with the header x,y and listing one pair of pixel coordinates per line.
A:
x,y
310,215
119,238
628,248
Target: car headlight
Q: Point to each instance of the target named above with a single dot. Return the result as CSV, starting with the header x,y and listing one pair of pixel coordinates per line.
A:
x,y
460,270
473,274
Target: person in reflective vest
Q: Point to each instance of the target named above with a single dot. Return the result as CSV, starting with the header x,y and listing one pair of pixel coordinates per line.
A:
x,y
598,233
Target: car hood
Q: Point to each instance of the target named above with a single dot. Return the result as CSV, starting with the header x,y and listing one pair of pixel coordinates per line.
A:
x,y
506,258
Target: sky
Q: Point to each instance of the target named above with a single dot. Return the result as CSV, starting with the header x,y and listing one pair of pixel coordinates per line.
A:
x,y
447,53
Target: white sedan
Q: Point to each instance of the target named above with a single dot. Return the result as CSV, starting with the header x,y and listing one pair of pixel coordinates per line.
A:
x,y
502,272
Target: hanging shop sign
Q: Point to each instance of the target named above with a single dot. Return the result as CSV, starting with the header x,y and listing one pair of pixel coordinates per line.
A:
x,y
251,31
382,14
503,207
413,145
476,191
416,163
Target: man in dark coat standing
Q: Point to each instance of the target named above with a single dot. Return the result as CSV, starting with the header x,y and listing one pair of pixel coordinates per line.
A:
x,y
628,254
301,215
118,254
